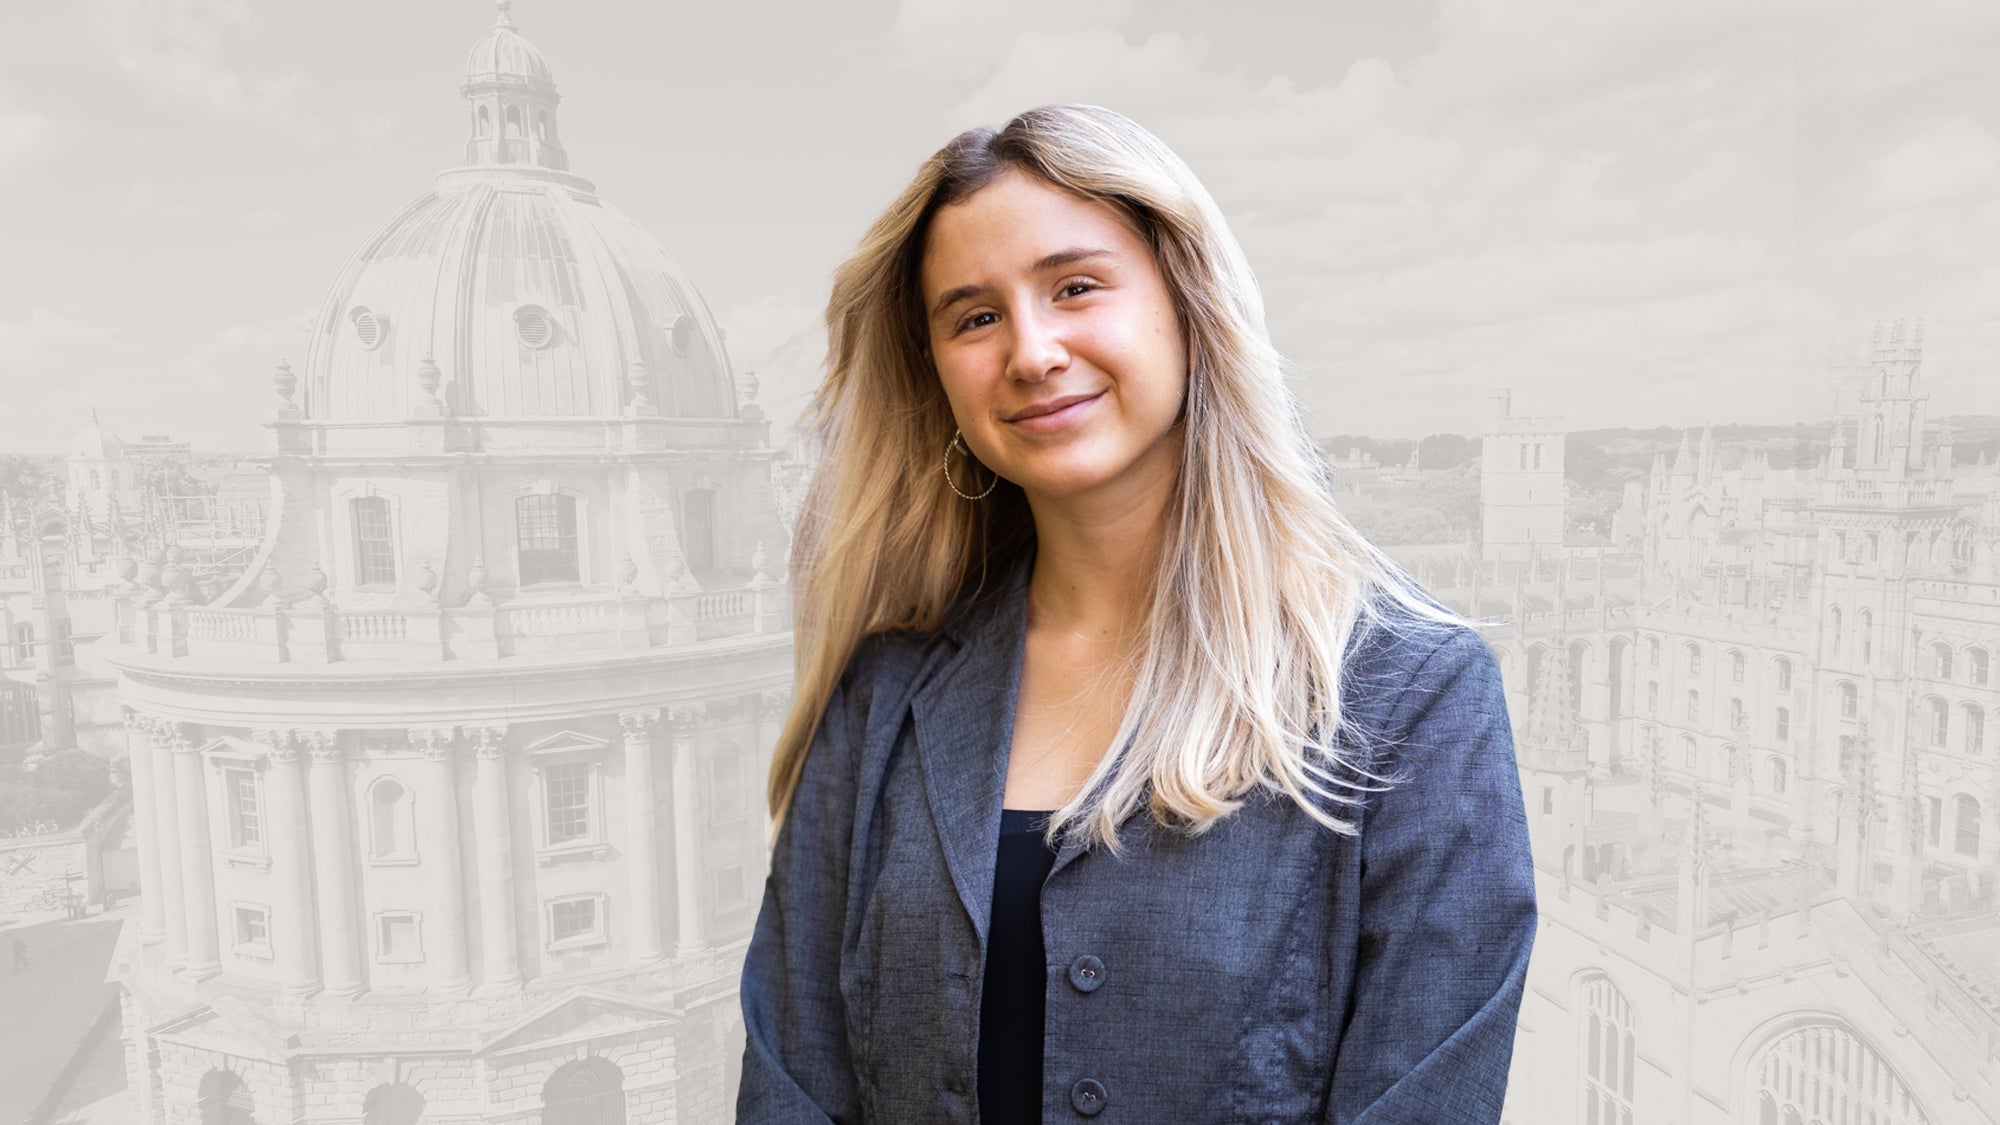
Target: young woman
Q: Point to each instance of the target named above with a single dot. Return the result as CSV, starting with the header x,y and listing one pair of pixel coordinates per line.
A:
x,y
1124,779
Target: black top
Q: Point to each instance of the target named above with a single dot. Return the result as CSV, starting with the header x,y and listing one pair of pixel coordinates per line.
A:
x,y
1012,1005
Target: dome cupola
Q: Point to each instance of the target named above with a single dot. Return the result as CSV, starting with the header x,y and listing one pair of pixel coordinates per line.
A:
x,y
512,99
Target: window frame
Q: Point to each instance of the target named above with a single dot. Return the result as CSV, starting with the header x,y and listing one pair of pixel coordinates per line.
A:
x,y
568,748
598,936
363,578
256,950
581,531
379,937
232,764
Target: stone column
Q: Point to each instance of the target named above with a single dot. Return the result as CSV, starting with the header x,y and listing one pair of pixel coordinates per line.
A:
x,y
437,820
333,864
145,826
692,939
197,855
772,709
167,835
642,838
492,823
295,923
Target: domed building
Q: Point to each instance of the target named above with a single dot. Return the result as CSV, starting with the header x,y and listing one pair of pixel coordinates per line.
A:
x,y
449,808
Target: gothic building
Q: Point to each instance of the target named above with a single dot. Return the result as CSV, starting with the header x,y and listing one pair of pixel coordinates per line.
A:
x,y
448,808
1763,786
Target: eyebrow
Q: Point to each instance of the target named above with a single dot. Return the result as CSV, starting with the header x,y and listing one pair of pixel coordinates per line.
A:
x,y
1059,258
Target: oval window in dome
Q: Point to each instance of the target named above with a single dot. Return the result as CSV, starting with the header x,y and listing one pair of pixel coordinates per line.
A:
x,y
681,333
534,325
369,326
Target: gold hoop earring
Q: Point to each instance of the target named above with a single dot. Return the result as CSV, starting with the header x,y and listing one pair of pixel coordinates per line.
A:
x,y
955,436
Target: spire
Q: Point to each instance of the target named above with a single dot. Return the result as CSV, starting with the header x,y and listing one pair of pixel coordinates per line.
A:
x,y
506,19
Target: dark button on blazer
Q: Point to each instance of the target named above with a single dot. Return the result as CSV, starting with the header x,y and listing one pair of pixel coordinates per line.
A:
x,y
1269,970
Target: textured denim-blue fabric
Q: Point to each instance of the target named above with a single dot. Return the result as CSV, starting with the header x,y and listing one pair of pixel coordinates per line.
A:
x,y
1269,970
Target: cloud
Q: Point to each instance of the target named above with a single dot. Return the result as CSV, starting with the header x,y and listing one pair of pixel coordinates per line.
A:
x,y
1947,158
179,51
25,137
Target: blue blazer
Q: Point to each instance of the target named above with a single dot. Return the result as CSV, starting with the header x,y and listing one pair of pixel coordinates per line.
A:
x,y
1268,970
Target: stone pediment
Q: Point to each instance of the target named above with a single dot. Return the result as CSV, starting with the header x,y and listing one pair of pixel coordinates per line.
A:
x,y
208,1028
576,1017
566,741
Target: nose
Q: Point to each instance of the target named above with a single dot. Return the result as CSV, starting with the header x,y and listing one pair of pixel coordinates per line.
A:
x,y
1038,349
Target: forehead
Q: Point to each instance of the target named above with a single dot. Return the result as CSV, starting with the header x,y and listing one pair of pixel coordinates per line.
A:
x,y
1013,222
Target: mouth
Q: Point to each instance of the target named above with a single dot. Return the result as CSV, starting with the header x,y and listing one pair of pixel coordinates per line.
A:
x,y
1052,406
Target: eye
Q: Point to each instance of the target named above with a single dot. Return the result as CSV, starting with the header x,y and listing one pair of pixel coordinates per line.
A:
x,y
976,320
1076,287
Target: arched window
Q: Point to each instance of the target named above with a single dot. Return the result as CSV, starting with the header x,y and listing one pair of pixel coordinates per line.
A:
x,y
1939,714
1778,776
1652,699
1739,719
545,530
1965,841
513,119
1735,667
396,1104
1784,669
1652,652
1608,1054
389,820
1867,636
1688,754
225,1100
541,124
1694,659
1976,667
94,480
24,643
374,543
1833,629
698,528
1783,729
1940,661
1833,1074
1849,700
585,1092
484,125
1693,706
1975,729
1874,547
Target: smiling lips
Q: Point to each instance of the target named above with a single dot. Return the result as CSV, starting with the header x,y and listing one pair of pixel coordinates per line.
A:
x,y
1052,406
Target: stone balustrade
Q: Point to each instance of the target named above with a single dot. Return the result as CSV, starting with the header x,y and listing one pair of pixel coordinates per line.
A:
x,y
320,631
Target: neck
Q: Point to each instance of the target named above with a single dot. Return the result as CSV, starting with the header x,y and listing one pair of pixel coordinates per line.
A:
x,y
1094,559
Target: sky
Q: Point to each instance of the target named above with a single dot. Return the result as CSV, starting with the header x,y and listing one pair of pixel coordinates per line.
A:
x,y
1628,213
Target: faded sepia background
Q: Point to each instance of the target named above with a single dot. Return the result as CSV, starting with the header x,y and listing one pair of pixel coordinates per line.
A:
x,y
394,439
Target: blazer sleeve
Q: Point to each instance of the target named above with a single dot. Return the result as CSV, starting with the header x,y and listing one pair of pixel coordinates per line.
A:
x,y
796,1063
1447,910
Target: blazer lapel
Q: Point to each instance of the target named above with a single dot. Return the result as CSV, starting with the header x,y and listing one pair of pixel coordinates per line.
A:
x,y
964,718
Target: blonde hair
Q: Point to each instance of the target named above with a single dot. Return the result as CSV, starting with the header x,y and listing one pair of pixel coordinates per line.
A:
x,y
1261,586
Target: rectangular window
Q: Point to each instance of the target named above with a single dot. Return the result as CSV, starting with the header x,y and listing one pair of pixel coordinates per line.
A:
x,y
253,930
375,549
545,531
568,801
572,919
397,937
732,886
246,818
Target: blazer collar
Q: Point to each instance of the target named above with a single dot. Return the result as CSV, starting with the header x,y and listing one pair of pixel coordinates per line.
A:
x,y
964,715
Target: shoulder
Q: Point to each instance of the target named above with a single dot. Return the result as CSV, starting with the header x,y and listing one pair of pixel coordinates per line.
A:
x,y
1398,665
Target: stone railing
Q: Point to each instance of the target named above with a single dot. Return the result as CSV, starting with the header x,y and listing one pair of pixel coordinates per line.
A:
x,y
317,631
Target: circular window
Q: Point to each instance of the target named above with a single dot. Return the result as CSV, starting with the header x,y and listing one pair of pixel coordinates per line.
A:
x,y
681,333
369,326
534,325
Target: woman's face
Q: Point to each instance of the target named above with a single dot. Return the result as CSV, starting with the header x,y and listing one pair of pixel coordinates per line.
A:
x,y
1056,341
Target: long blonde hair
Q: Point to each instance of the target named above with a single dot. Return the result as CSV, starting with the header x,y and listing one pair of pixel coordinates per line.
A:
x,y
1262,583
